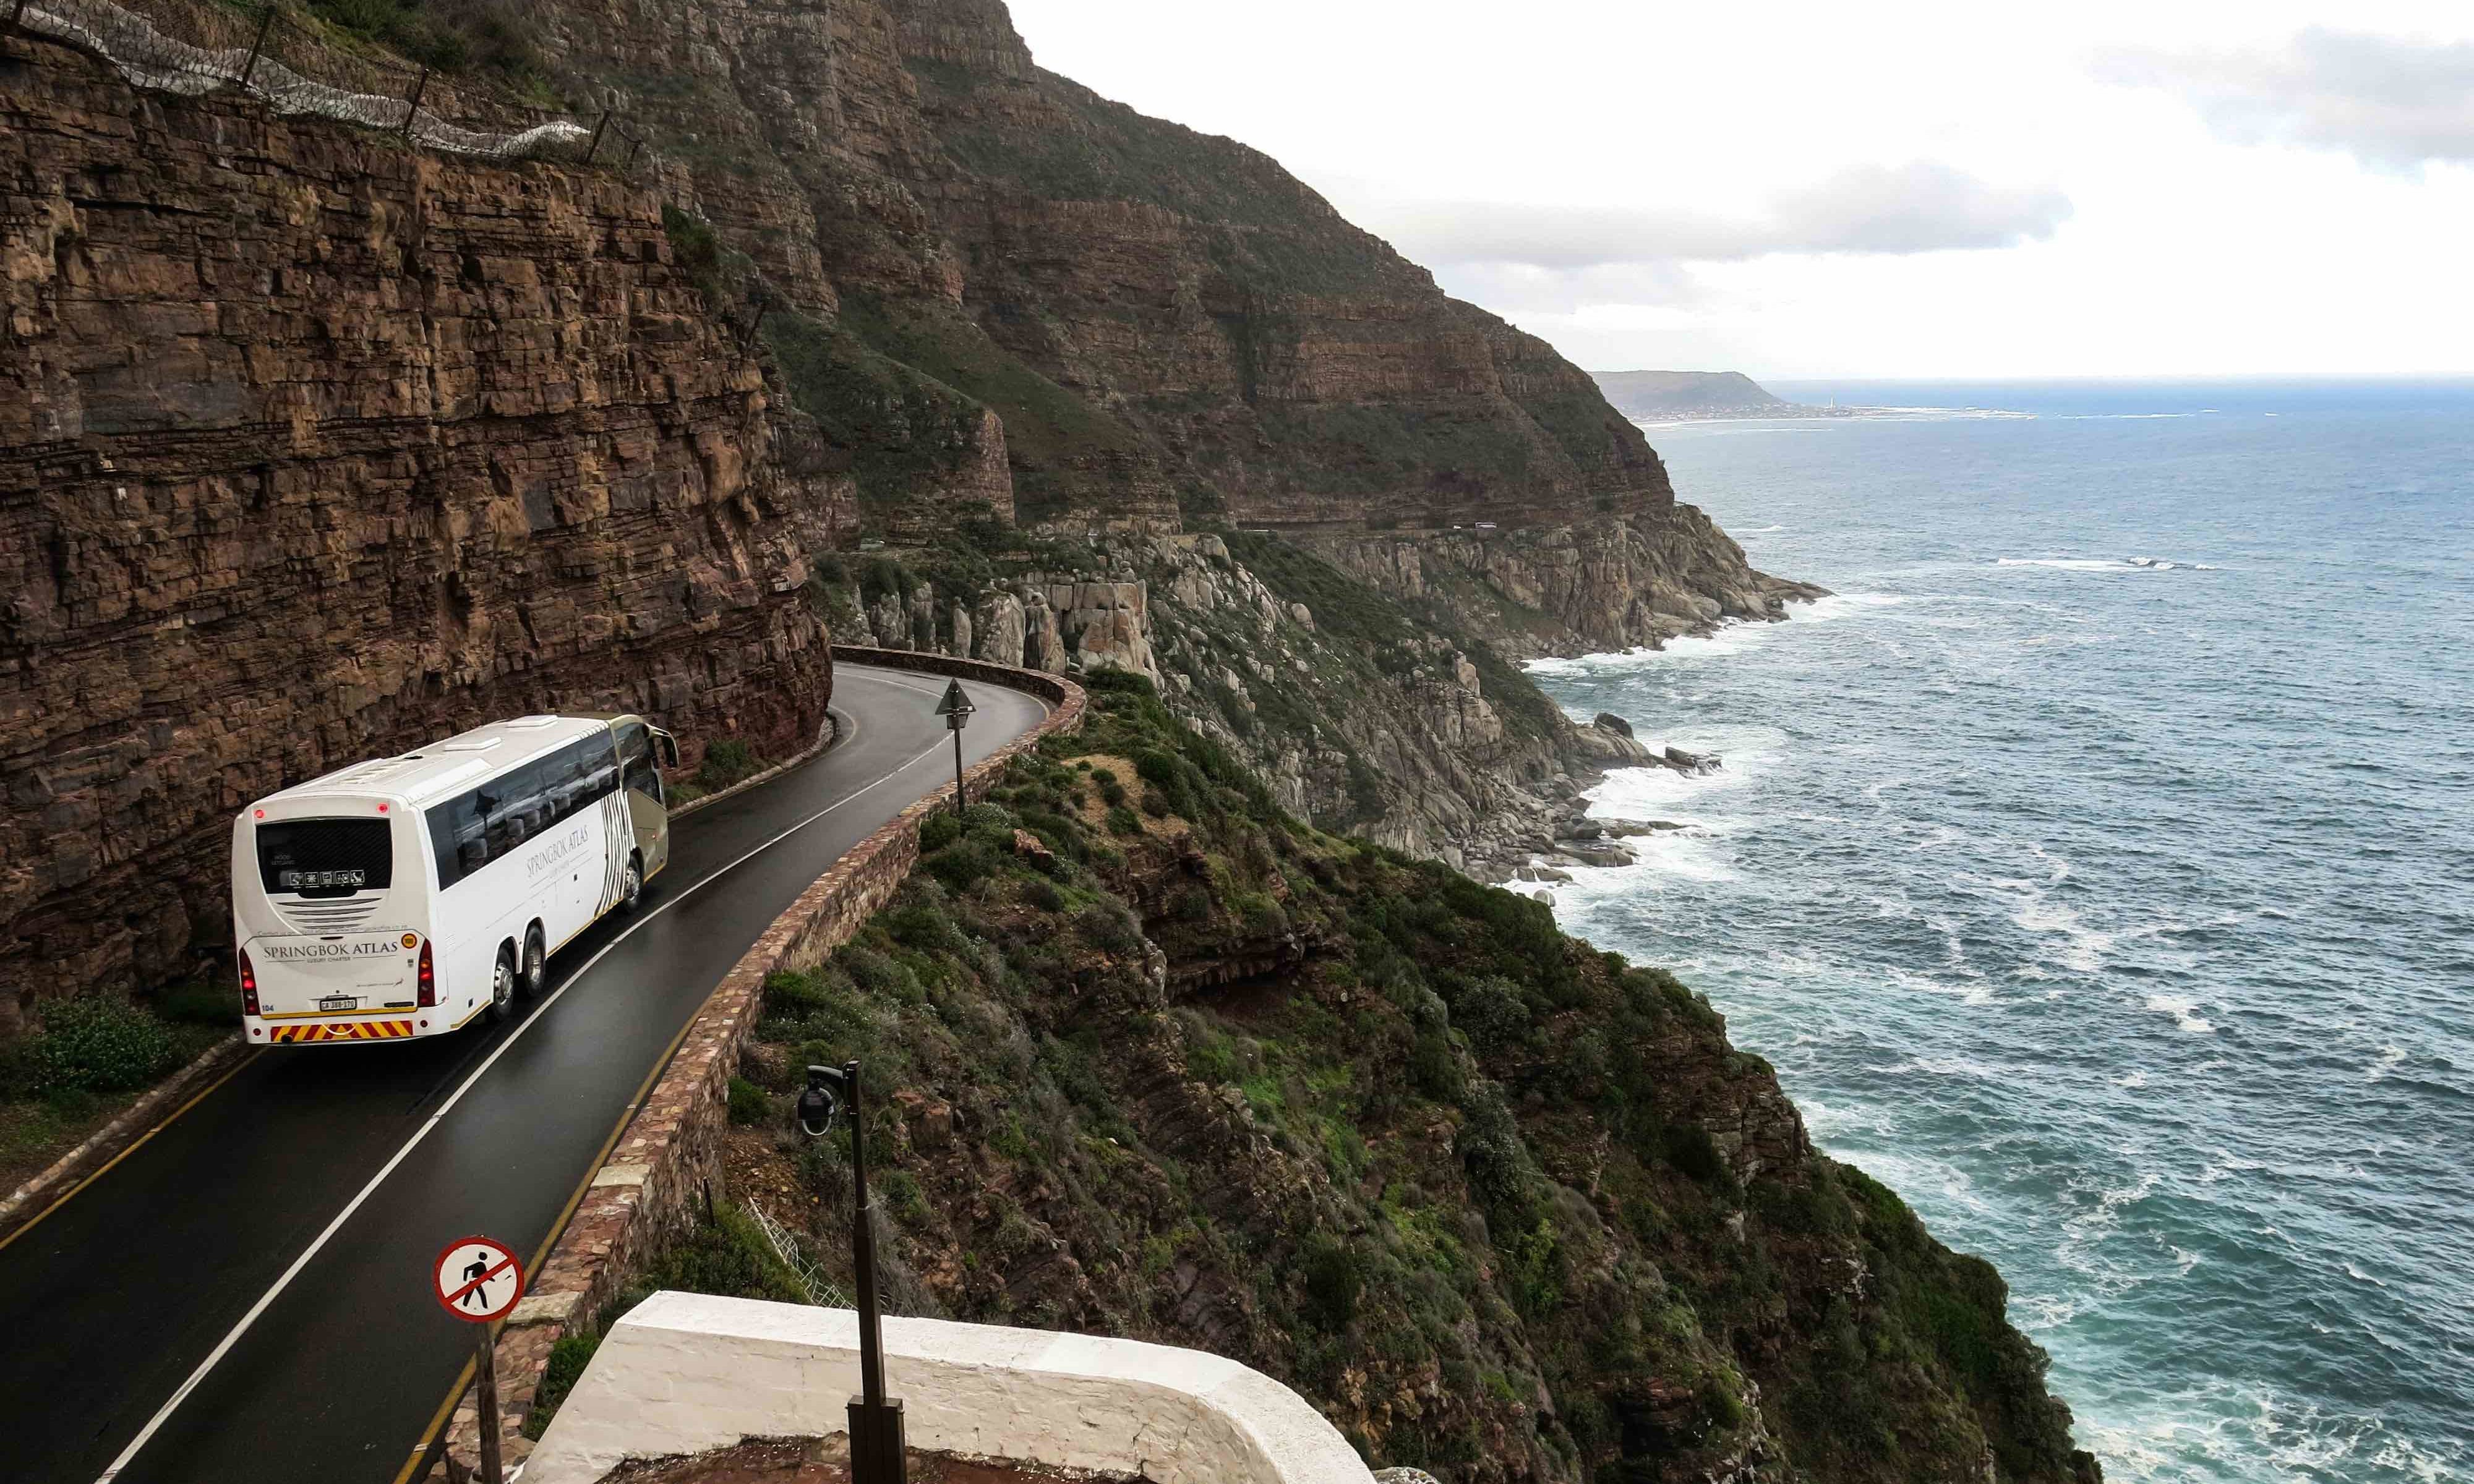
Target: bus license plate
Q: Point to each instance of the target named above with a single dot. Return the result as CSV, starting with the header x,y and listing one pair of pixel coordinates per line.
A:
x,y
339,1002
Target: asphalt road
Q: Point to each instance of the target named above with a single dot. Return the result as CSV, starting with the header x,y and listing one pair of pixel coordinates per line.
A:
x,y
344,1169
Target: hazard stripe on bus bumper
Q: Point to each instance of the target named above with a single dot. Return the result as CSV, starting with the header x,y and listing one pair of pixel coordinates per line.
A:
x,y
356,1030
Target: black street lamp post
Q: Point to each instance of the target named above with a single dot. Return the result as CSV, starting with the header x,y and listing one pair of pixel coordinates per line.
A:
x,y
878,1453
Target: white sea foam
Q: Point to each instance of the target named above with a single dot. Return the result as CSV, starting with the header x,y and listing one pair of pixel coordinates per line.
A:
x,y
1940,413
2033,908
1727,641
2183,1011
2115,565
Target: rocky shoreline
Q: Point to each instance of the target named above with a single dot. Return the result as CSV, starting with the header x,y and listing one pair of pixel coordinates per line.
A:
x,y
1393,712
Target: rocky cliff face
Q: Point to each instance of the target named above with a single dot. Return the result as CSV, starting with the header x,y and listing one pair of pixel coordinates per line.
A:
x,y
1167,324
1389,719
1567,589
312,448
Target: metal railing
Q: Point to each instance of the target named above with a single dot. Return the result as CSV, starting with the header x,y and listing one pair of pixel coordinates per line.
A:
x,y
198,46
793,1252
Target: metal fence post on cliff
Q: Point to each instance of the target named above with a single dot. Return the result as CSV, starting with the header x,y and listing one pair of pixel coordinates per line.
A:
x,y
412,109
763,300
594,148
256,44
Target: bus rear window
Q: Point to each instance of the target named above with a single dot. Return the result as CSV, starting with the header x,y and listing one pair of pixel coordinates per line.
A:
x,y
325,857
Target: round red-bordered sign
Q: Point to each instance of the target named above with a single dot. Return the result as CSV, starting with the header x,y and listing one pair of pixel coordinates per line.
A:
x,y
477,1278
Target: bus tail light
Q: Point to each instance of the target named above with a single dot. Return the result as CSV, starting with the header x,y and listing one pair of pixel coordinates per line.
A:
x,y
248,984
429,977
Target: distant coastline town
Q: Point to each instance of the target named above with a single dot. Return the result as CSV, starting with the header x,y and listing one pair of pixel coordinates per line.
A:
x,y
1688,396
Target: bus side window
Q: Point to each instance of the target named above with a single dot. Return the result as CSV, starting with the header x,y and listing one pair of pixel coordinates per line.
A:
x,y
636,758
601,765
565,780
456,838
519,815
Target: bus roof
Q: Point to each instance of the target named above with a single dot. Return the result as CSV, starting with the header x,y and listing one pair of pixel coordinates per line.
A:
x,y
441,767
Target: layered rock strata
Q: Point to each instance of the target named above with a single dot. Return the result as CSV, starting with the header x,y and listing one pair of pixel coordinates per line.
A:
x,y
1165,323
1568,590
313,447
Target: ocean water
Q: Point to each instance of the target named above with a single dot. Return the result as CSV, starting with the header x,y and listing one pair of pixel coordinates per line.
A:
x,y
2097,870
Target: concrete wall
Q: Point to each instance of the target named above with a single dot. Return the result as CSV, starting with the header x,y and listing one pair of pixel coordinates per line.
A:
x,y
687,1373
644,1193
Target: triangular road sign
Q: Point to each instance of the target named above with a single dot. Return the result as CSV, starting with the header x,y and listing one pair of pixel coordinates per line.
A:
x,y
954,702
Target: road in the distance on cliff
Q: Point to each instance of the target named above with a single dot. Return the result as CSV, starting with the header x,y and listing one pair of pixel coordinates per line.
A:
x,y
116,1299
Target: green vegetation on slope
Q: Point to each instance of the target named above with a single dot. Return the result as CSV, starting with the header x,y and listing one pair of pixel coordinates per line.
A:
x,y
1500,1204
1057,441
93,1056
1391,630
488,38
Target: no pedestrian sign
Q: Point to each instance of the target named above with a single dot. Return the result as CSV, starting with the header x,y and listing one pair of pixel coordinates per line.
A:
x,y
478,1279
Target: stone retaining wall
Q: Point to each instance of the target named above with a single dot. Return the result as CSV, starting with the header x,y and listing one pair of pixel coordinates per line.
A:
x,y
653,1177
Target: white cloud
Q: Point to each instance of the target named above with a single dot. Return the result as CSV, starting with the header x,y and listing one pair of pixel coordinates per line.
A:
x,y
2388,101
1922,207
1740,186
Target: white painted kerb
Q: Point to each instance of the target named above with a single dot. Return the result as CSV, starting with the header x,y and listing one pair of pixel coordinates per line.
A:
x,y
687,1373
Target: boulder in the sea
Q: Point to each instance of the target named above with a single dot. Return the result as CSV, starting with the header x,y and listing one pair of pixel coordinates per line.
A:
x,y
1695,763
1609,721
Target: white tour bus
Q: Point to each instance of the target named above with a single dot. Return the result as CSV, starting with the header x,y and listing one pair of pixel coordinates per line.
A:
x,y
408,895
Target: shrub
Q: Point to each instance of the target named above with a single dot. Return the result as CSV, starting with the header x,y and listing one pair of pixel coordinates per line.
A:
x,y
94,1044
201,1002
749,1103
921,923
1690,1148
996,817
727,1256
568,1359
1042,895
1123,821
1335,1276
937,831
1108,928
1435,1069
960,864
726,763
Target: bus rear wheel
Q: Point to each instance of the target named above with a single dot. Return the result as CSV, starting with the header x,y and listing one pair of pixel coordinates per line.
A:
x,y
631,886
535,969
502,986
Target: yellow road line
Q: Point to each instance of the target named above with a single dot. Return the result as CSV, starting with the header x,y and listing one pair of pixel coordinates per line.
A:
x,y
134,1147
557,1230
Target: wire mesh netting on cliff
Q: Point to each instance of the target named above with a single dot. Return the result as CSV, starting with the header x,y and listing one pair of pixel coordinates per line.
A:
x,y
198,46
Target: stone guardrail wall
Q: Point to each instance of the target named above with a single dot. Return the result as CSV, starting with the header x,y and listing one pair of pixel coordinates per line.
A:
x,y
687,1373
648,1183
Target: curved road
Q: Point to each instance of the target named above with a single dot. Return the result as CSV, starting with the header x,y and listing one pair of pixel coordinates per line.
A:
x,y
268,1249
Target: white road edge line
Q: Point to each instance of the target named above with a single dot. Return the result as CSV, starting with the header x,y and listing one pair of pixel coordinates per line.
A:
x,y
267,1299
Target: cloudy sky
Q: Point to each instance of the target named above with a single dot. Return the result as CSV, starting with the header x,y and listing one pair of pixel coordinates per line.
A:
x,y
1790,189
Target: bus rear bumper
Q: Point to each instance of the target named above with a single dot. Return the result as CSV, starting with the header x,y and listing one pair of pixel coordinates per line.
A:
x,y
263,1032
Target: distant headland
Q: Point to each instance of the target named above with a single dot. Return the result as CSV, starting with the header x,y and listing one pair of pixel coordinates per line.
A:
x,y
1676,395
